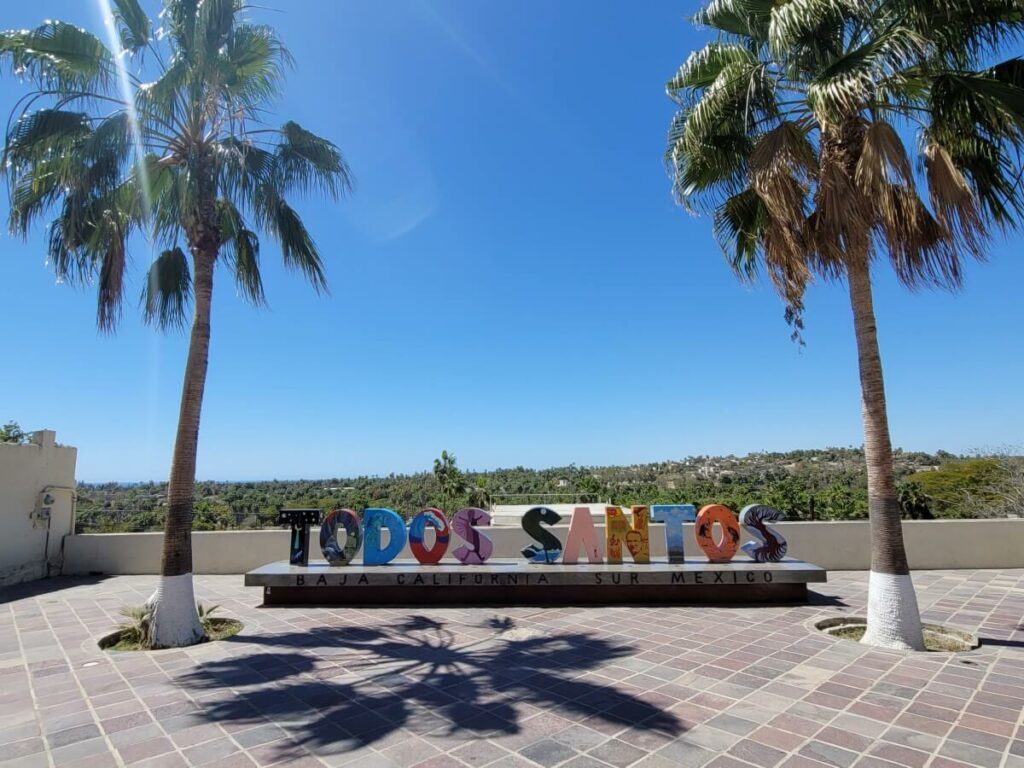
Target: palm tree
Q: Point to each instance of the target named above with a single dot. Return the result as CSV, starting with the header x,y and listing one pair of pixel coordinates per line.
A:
x,y
181,158
450,479
790,130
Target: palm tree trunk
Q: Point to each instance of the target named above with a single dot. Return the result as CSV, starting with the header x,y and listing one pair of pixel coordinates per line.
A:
x,y
893,617
175,620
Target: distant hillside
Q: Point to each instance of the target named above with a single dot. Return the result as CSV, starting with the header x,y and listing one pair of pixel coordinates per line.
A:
x,y
822,484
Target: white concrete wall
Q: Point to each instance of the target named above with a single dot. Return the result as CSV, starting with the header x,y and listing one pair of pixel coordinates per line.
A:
x,y
832,545
35,478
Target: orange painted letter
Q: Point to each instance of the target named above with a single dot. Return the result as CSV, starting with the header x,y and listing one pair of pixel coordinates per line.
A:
x,y
721,551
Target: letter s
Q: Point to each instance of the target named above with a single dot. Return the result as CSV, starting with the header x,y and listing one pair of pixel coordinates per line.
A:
x,y
772,547
480,547
549,547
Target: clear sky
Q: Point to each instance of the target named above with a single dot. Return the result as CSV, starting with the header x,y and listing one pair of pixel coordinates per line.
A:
x,y
511,280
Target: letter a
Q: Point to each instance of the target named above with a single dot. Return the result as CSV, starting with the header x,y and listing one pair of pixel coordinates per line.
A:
x,y
582,534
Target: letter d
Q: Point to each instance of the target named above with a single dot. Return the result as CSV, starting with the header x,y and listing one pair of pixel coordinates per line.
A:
x,y
374,520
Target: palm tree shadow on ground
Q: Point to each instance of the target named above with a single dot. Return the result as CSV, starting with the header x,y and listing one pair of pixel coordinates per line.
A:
x,y
361,684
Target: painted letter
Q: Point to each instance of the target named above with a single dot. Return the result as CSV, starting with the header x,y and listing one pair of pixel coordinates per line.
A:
x,y
373,520
773,545
582,534
723,550
617,532
332,551
673,516
480,546
550,547
417,532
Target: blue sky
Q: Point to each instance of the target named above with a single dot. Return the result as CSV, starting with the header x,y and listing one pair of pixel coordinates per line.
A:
x,y
511,280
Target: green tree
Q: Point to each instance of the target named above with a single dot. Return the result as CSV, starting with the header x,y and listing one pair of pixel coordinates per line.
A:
x,y
11,432
914,501
162,135
957,486
450,479
790,131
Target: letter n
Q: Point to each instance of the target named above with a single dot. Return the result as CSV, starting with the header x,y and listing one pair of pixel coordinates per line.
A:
x,y
636,537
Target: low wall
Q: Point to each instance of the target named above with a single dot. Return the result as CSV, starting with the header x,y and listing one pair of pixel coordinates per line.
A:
x,y
832,545
37,495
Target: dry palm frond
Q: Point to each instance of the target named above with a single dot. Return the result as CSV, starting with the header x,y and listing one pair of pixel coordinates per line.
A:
x,y
953,200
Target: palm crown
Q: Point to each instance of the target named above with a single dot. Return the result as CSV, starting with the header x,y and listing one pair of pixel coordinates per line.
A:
x,y
791,129
183,159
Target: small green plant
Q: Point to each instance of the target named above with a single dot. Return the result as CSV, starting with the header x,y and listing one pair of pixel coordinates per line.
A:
x,y
206,617
135,629
135,632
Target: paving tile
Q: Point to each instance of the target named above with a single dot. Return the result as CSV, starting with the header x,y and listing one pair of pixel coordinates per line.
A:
x,y
547,752
617,753
636,686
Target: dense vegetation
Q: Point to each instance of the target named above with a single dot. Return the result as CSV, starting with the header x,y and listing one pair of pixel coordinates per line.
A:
x,y
825,484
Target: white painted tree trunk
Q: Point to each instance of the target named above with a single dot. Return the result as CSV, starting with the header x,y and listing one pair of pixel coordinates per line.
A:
x,y
175,622
894,620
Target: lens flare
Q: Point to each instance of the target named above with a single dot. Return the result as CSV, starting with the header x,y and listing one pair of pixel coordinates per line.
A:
x,y
128,97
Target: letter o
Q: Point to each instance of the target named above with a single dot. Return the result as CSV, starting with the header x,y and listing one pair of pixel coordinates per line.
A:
x,y
417,531
333,552
723,550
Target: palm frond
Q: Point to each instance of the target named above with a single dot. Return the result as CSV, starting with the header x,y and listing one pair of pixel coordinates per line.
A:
x,y
110,290
739,18
921,249
253,64
168,290
242,251
845,85
883,160
780,164
133,25
36,135
58,55
179,17
309,163
956,208
297,246
793,22
704,66
213,26
740,224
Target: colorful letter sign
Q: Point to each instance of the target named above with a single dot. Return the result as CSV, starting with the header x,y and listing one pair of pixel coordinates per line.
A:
x,y
333,552
480,546
374,521
582,535
618,532
548,547
673,516
417,531
629,530
723,550
773,546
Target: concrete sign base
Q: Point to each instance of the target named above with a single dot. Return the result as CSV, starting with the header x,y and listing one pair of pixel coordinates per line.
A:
x,y
515,582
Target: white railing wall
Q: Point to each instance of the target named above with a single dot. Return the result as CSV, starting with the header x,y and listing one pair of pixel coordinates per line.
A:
x,y
833,545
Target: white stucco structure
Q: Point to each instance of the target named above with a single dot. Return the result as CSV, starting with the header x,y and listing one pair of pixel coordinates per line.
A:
x,y
37,501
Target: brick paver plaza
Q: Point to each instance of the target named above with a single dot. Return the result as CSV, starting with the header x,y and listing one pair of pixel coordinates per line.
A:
x,y
579,687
